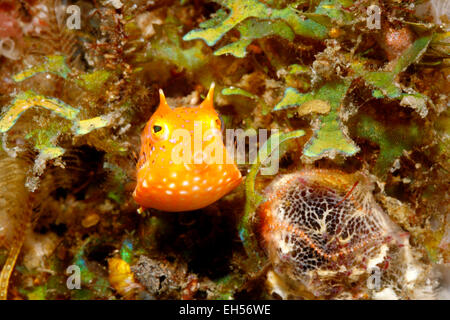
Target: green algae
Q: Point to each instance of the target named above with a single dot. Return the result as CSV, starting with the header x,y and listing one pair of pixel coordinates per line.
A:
x,y
172,50
93,81
292,98
234,91
253,29
296,69
265,21
329,137
45,136
392,140
116,191
298,76
227,286
44,139
55,64
333,10
239,11
329,13
229,91
412,54
38,293
26,100
384,83
85,126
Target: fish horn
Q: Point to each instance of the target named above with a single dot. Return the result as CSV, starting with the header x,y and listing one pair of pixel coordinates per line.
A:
x,y
208,102
163,106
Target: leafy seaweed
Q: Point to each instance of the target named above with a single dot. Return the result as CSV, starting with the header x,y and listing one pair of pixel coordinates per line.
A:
x,y
329,137
254,20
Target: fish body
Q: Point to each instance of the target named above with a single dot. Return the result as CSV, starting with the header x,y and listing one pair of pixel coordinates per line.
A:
x,y
183,164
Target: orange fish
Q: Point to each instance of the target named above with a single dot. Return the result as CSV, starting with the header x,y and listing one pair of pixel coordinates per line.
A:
x,y
183,164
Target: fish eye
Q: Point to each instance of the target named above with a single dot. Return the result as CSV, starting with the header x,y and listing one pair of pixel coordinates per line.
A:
x,y
158,131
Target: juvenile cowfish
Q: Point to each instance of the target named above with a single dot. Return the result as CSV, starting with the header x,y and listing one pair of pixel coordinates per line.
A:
x,y
183,164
